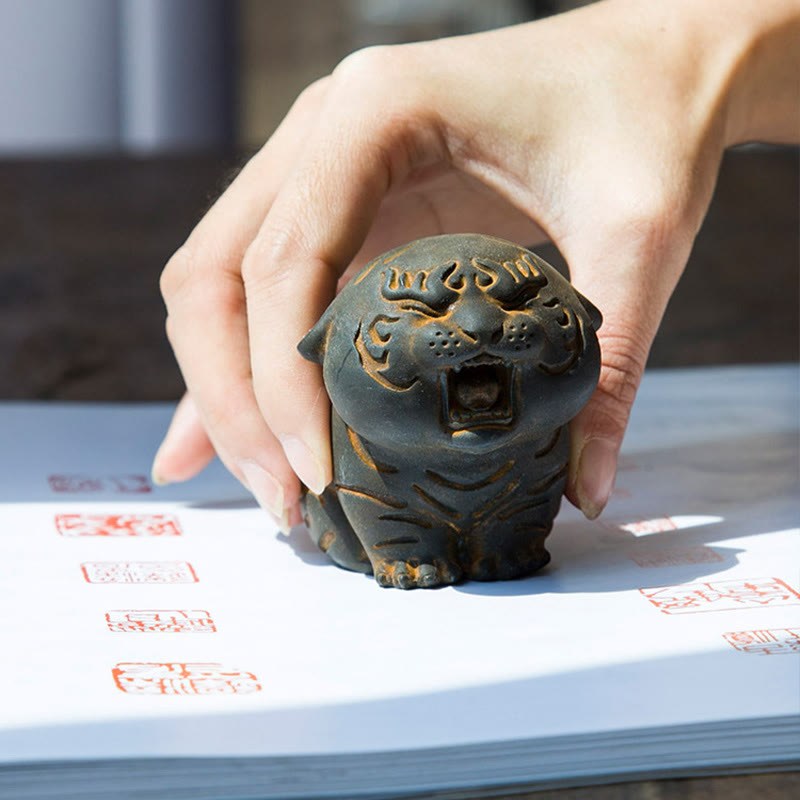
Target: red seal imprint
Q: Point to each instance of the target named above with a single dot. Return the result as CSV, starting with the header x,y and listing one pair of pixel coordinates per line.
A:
x,y
691,598
676,557
775,641
117,525
643,527
181,678
138,572
82,484
152,621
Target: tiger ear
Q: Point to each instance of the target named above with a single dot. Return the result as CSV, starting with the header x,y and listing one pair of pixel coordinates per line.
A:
x,y
312,346
591,309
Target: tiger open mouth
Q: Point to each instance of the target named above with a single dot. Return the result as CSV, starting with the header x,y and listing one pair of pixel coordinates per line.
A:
x,y
478,393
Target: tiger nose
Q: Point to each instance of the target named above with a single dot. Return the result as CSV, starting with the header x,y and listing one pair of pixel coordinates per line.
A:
x,y
480,326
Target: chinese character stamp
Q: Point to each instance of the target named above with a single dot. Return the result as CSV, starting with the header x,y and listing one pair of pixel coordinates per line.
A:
x,y
117,525
676,557
82,484
184,679
160,622
74,484
690,598
643,527
621,493
138,572
775,641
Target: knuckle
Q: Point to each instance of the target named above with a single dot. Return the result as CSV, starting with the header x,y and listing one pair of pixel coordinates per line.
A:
x,y
648,222
216,297
384,85
176,273
221,415
623,359
189,278
169,328
265,261
368,64
280,259
313,95
210,284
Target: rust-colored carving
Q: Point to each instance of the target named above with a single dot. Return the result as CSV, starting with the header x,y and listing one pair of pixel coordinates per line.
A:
x,y
453,365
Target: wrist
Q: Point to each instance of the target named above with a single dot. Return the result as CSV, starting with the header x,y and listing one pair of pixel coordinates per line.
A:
x,y
765,89
752,55
738,59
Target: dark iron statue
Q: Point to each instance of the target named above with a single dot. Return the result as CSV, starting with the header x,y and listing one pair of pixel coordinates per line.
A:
x,y
453,364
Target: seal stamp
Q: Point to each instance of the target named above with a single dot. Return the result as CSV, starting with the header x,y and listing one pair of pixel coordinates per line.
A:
x,y
453,365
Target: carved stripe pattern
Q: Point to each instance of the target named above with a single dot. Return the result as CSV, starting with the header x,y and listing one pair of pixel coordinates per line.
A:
x,y
468,487
437,504
546,483
391,502
366,458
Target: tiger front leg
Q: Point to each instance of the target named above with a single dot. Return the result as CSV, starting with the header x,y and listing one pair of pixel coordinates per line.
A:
x,y
510,552
406,548
331,531
503,549
401,565
509,541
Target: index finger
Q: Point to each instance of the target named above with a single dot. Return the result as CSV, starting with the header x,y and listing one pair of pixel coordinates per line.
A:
x,y
316,225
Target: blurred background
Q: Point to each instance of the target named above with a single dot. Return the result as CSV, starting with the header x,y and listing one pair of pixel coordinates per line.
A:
x,y
160,76
123,119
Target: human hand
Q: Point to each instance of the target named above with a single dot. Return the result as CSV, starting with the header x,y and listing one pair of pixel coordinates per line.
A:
x,y
602,128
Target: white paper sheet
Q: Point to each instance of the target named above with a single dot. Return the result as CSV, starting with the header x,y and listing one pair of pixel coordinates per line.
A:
x,y
680,606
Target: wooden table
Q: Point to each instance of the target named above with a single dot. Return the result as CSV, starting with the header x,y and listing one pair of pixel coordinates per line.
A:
x,y
82,244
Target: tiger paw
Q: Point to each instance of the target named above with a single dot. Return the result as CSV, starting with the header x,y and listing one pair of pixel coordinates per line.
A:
x,y
519,563
414,575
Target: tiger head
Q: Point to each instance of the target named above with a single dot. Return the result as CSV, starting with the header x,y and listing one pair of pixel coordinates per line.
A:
x,y
461,341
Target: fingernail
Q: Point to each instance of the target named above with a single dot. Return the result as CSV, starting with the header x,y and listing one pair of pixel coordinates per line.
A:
x,y
156,474
181,418
155,477
283,523
305,464
596,471
265,488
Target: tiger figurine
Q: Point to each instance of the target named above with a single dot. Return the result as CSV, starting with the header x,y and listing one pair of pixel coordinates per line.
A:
x,y
453,365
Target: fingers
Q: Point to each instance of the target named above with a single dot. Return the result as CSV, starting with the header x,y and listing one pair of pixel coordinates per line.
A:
x,y
207,327
630,280
315,227
208,331
597,432
186,448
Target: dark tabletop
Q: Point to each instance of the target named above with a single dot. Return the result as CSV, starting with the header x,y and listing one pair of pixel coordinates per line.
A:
x,y
82,243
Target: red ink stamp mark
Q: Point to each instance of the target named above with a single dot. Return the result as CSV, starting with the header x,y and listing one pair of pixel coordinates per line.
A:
x,y
117,525
643,527
130,484
691,598
182,678
74,484
775,641
160,622
82,484
676,557
138,572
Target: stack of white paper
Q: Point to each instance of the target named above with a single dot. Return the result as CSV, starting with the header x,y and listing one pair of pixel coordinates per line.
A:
x,y
168,642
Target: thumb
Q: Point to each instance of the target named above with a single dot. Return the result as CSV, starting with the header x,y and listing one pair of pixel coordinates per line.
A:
x,y
631,290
